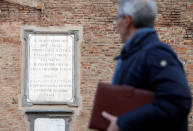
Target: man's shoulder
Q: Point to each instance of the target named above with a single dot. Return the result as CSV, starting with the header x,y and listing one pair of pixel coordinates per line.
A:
x,y
153,46
156,49
159,49
160,53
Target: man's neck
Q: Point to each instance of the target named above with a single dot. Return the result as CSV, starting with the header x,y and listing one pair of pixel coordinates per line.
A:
x,y
131,32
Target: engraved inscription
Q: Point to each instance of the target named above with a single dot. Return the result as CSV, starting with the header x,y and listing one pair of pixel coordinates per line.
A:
x,y
46,124
50,68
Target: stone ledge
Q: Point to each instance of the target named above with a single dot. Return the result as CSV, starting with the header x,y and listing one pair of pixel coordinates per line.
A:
x,y
62,111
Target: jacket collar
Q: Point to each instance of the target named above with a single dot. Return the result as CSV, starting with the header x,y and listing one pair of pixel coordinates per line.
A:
x,y
137,41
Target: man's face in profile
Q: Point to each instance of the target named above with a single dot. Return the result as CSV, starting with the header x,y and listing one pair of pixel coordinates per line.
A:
x,y
120,27
123,26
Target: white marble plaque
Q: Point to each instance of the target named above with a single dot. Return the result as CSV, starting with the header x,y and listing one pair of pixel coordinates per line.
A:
x,y
50,70
47,124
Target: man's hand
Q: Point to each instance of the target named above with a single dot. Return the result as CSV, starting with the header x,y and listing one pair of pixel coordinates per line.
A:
x,y
112,119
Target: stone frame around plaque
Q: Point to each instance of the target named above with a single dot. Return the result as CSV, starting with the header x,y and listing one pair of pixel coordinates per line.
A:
x,y
64,114
77,34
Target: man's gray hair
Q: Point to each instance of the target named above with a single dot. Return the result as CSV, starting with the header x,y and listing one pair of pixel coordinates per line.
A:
x,y
142,12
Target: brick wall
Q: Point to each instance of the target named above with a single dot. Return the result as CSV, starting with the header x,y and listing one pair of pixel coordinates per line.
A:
x,y
100,44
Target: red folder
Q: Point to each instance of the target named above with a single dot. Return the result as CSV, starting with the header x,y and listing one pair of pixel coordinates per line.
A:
x,y
116,100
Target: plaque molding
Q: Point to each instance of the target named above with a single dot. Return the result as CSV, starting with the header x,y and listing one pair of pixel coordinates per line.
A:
x,y
75,69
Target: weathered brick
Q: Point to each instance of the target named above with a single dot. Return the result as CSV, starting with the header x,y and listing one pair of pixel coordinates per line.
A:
x,y
101,42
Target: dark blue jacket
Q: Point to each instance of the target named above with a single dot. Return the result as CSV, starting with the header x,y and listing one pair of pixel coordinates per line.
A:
x,y
147,63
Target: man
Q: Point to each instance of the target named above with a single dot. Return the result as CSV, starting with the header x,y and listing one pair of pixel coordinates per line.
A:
x,y
147,63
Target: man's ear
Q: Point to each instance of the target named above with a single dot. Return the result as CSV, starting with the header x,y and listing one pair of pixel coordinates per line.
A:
x,y
128,21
